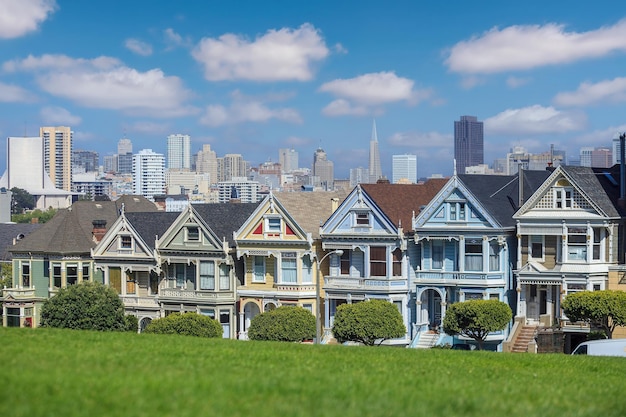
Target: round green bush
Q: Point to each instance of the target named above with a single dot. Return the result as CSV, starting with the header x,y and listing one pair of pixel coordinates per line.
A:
x,y
84,306
284,324
189,324
368,322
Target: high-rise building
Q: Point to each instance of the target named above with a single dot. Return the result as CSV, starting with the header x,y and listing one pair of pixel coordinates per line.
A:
x,y
585,156
374,168
601,158
359,175
240,189
231,166
179,152
148,174
124,146
468,143
57,147
206,163
85,161
404,169
616,149
288,159
323,170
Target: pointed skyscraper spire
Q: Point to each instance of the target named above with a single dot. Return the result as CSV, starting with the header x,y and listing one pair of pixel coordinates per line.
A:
x,y
375,170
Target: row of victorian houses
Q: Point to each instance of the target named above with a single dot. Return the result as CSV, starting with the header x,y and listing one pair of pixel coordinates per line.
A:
x,y
527,240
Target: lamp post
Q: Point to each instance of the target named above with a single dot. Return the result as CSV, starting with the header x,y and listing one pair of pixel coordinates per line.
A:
x,y
317,294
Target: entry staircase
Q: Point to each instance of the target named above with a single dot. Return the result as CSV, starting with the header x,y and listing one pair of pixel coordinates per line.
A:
x,y
427,340
525,336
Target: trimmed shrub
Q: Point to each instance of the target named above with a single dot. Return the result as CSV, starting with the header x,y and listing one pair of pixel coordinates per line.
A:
x,y
604,309
131,323
84,306
283,324
477,318
368,322
189,324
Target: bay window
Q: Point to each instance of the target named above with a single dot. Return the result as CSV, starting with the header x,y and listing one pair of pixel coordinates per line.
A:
x,y
378,261
473,256
289,269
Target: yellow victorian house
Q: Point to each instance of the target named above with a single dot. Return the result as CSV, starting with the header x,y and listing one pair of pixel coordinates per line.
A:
x,y
278,258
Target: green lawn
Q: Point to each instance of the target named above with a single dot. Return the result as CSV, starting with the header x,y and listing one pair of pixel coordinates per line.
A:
x,y
63,373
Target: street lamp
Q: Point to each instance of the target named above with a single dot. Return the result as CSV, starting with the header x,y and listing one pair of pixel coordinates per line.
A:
x,y
317,293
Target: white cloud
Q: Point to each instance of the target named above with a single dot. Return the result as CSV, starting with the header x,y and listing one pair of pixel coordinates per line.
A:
x,y
174,40
14,94
19,17
149,127
340,49
279,55
374,88
138,47
105,83
241,111
516,82
612,91
341,107
602,137
59,116
296,142
526,47
534,120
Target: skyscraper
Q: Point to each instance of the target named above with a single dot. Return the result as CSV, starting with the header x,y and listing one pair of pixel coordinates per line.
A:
x,y
148,174
288,159
179,151
374,168
57,147
124,157
206,163
323,169
232,165
404,169
468,143
124,146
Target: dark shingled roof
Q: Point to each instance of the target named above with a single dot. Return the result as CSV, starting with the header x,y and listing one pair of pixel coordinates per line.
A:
x,y
400,201
499,194
589,183
310,209
609,179
149,226
70,230
225,218
10,232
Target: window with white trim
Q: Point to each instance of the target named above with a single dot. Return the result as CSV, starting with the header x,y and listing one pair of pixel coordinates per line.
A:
x,y
224,277
273,224
207,275
26,274
536,247
597,243
494,256
56,275
72,274
362,219
576,243
258,273
473,255
289,267
126,242
307,269
378,261
193,233
437,254
563,198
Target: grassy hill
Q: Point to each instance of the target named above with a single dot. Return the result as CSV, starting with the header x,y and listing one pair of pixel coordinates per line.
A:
x,y
48,372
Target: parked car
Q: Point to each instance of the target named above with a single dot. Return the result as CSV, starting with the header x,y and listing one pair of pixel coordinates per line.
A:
x,y
609,347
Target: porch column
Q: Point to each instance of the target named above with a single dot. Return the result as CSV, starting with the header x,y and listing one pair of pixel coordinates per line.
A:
x,y
241,324
461,259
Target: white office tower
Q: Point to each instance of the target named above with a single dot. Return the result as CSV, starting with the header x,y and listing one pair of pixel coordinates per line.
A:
x,y
124,146
148,174
288,159
374,164
179,152
616,149
57,147
404,169
238,189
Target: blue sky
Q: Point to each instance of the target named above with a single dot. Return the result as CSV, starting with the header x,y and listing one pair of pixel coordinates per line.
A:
x,y
250,77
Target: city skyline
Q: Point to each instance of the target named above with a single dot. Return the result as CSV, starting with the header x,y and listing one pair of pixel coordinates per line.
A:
x,y
255,77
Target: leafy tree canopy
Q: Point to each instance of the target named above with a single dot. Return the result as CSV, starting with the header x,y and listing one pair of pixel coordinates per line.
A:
x,y
22,200
189,324
604,309
84,306
41,216
284,324
368,322
477,318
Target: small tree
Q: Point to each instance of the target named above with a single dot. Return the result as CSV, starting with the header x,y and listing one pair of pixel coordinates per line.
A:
x,y
603,309
283,324
22,200
131,323
477,318
189,324
368,322
84,306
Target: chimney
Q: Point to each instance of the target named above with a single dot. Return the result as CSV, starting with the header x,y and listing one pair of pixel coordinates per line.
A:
x,y
99,229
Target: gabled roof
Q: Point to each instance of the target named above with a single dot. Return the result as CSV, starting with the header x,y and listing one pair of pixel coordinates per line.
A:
x,y
610,181
586,181
225,218
499,194
70,231
10,232
400,202
310,209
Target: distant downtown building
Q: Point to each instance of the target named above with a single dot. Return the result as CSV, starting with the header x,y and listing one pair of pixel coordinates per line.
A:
x,y
374,168
288,159
323,170
57,148
468,143
179,152
404,169
148,174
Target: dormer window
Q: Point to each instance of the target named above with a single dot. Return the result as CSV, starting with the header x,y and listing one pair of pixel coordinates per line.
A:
x,y
362,219
126,242
273,224
563,198
193,233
